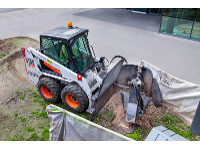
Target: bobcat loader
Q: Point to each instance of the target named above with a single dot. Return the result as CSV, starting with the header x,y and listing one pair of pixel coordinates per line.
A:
x,y
65,67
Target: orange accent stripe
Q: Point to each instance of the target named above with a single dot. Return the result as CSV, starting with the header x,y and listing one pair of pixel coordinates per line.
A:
x,y
52,68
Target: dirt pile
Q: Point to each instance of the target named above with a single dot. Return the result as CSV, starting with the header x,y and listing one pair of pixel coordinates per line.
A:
x,y
114,107
151,116
118,122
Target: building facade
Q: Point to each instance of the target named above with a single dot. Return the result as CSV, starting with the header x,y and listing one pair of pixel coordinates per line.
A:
x,y
181,22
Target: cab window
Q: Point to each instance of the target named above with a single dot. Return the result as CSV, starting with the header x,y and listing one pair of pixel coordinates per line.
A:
x,y
80,50
49,49
56,50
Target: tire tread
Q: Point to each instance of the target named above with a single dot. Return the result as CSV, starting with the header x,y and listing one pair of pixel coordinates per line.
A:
x,y
80,95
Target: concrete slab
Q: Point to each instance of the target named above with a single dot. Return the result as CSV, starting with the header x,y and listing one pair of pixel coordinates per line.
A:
x,y
125,18
161,133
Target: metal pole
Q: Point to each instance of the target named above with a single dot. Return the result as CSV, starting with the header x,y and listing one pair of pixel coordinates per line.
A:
x,y
193,22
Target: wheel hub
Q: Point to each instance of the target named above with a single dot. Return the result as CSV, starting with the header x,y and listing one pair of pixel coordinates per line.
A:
x,y
71,100
46,92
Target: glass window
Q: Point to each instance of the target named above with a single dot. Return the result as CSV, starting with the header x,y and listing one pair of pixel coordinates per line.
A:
x,y
59,53
49,49
155,11
140,9
177,21
62,54
196,28
82,53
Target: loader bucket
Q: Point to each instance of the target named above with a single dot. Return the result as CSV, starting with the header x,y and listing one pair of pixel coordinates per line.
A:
x,y
106,89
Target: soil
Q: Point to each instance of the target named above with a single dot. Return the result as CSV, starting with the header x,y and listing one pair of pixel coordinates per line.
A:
x,y
13,73
115,106
149,119
14,79
6,46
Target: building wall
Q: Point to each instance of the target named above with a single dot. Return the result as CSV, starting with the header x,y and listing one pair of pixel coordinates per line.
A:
x,y
182,22
155,11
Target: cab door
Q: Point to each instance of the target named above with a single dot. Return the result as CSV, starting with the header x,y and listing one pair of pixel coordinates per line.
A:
x,y
57,50
82,54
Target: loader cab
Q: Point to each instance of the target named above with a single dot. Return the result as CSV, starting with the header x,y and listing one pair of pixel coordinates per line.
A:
x,y
69,47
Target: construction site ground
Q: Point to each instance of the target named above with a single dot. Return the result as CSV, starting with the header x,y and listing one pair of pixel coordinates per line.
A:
x,y
22,110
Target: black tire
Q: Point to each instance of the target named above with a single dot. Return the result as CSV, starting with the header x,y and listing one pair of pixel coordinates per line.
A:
x,y
49,86
78,97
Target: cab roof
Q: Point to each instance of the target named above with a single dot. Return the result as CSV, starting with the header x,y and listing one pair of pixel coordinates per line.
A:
x,y
64,32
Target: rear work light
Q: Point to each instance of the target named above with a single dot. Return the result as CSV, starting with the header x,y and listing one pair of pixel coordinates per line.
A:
x,y
79,77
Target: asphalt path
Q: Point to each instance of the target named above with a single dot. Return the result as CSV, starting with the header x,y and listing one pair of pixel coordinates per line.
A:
x,y
112,32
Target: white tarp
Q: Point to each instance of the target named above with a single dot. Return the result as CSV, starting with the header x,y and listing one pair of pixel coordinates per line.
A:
x,y
181,96
66,126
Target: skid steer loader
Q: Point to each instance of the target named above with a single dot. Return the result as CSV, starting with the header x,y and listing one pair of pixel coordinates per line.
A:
x,y
65,67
